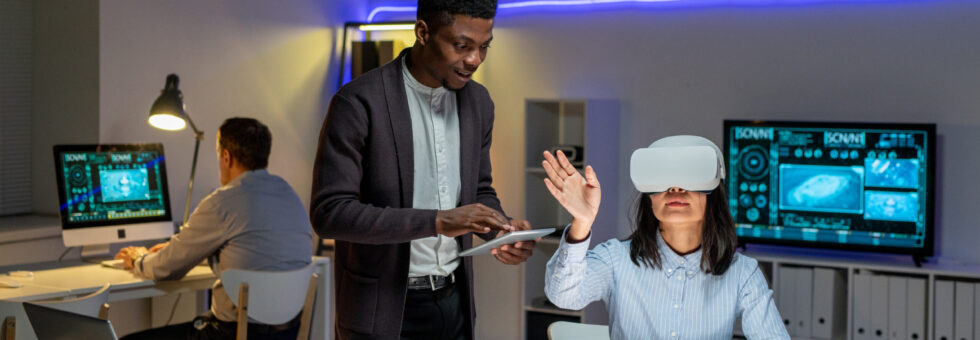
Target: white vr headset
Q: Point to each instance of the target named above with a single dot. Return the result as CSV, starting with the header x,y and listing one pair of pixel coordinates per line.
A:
x,y
691,163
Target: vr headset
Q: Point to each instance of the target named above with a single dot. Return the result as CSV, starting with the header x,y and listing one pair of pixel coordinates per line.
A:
x,y
691,163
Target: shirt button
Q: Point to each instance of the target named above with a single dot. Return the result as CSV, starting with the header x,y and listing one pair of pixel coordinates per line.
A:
x,y
557,276
679,278
674,334
682,260
670,270
677,306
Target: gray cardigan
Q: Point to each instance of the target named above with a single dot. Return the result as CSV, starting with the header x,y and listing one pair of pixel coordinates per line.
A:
x,y
362,196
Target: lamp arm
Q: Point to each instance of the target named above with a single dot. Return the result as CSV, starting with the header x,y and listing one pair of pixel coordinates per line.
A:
x,y
190,184
197,133
198,136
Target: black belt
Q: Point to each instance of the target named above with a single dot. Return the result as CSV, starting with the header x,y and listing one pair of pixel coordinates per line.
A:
x,y
431,282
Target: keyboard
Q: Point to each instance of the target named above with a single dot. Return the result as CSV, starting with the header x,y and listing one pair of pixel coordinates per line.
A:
x,y
118,264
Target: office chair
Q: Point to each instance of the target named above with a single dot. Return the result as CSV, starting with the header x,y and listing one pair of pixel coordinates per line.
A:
x,y
564,330
95,304
272,298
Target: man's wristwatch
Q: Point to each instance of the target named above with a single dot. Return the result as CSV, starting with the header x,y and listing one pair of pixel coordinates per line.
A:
x,y
138,257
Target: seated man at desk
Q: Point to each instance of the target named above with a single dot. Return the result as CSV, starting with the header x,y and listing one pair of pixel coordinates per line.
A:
x,y
254,221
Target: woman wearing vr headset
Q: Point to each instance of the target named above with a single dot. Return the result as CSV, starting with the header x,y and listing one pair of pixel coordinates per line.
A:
x,y
678,275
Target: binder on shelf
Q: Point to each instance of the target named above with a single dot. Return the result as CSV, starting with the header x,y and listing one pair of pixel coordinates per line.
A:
x,y
916,308
785,296
862,307
803,302
976,312
829,299
943,317
897,307
963,317
879,307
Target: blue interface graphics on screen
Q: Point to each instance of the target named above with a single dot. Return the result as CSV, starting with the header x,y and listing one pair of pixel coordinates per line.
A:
x,y
828,185
113,185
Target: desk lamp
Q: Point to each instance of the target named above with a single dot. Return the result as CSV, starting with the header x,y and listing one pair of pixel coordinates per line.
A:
x,y
168,113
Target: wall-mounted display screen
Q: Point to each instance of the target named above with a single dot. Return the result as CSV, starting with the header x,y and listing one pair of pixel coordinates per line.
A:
x,y
833,185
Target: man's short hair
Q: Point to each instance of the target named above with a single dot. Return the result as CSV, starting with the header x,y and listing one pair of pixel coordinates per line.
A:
x,y
247,140
438,13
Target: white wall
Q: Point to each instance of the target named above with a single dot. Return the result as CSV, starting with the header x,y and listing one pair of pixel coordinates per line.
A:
x,y
684,70
274,61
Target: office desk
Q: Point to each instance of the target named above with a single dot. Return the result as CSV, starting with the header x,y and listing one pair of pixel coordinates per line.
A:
x,y
64,279
77,278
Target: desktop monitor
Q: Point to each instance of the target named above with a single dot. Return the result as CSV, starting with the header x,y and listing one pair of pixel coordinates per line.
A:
x,y
833,185
112,193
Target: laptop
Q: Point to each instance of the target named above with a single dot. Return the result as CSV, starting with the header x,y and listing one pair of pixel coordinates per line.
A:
x,y
53,324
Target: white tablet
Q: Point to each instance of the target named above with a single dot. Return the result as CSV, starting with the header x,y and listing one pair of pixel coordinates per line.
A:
x,y
509,238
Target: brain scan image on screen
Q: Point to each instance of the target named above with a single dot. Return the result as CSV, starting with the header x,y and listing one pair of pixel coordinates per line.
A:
x,y
124,185
821,188
891,206
892,173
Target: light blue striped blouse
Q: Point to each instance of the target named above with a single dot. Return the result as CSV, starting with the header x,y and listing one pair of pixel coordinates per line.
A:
x,y
680,301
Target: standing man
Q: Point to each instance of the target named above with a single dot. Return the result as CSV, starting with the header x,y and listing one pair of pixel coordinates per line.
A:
x,y
254,221
402,178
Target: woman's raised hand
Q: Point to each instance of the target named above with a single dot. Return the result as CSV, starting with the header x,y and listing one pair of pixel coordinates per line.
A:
x,y
579,195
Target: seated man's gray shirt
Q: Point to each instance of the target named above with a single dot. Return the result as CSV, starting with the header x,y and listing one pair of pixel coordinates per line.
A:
x,y
256,222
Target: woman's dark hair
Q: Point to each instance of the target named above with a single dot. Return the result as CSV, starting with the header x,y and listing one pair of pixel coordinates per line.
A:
x,y
718,238
438,13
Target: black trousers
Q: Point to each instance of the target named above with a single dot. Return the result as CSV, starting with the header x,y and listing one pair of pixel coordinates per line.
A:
x,y
208,327
435,315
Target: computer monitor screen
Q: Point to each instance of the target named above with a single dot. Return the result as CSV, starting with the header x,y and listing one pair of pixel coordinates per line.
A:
x,y
834,185
112,193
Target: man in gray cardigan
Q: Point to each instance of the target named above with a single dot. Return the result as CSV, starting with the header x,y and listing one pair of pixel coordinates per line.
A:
x,y
402,179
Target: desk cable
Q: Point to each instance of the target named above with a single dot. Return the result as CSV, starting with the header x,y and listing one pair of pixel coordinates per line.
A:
x,y
65,253
173,309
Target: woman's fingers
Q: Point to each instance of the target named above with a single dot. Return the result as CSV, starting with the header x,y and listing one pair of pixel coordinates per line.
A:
x,y
552,162
556,179
554,190
565,164
591,177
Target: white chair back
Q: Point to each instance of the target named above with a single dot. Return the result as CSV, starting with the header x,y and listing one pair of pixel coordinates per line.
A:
x,y
94,304
273,297
564,330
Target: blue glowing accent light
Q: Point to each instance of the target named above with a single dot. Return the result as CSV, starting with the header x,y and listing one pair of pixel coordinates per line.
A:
x,y
518,4
567,3
80,198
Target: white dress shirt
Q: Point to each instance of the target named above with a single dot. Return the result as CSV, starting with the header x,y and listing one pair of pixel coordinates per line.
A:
x,y
676,301
435,142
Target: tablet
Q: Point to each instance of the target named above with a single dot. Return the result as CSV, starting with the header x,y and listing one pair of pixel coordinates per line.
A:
x,y
509,238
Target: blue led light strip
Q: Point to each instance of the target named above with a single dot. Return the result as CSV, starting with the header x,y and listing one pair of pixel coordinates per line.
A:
x,y
519,4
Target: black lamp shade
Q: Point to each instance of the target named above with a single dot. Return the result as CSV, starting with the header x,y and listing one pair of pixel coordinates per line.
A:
x,y
167,112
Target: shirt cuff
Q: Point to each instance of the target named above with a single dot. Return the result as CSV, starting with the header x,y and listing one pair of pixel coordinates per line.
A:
x,y
138,265
575,251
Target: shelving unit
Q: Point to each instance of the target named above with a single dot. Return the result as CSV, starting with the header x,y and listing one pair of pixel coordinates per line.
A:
x,y
881,299
594,126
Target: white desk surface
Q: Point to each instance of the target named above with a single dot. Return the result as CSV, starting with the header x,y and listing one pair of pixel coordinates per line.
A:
x,y
52,280
29,292
73,278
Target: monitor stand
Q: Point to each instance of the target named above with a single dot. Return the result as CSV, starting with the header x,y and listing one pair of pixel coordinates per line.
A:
x,y
98,251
